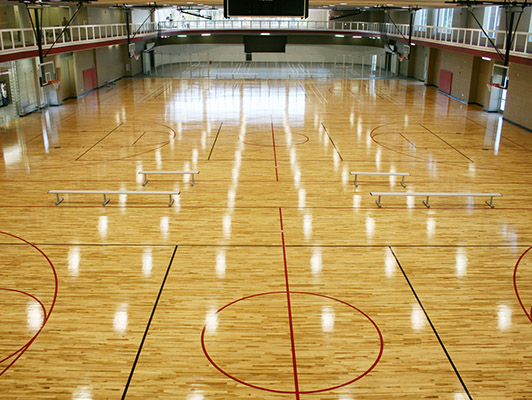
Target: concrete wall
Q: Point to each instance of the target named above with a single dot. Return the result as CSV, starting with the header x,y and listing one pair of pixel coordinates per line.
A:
x,y
110,63
461,65
83,60
519,99
481,75
138,16
104,15
417,61
433,69
27,84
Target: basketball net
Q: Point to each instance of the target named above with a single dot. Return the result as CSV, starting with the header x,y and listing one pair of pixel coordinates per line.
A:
x,y
401,58
55,84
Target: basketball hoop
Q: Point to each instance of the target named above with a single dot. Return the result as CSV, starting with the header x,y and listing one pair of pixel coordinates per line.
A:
x,y
135,56
401,58
55,84
497,85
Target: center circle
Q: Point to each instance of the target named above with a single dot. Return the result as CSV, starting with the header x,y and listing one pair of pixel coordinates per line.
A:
x,y
246,320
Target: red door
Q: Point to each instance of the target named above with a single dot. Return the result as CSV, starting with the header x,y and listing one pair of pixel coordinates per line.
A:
x,y
446,81
89,79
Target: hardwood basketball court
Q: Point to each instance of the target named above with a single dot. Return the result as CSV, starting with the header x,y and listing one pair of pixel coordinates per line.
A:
x,y
273,277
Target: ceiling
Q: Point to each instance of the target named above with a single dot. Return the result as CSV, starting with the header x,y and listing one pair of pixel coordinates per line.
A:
x,y
345,5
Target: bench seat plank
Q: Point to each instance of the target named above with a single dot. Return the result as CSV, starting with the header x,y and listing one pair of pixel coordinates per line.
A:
x,y
146,173
107,192
437,194
403,174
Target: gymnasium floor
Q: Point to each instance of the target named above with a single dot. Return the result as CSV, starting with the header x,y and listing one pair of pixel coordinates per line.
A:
x,y
273,277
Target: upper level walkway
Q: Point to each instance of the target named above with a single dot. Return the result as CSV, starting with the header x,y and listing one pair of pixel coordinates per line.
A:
x,y
21,42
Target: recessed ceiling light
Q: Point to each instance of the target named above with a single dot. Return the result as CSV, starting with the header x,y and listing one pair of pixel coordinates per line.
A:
x,y
265,34
205,34
339,35
486,58
181,35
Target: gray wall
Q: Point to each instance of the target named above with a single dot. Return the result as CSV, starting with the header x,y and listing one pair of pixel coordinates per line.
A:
x,y
519,100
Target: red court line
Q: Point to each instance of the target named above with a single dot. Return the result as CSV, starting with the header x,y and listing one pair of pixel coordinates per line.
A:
x,y
405,138
517,144
25,346
224,180
326,389
95,144
503,137
47,316
138,138
35,137
529,316
275,155
387,208
160,145
294,362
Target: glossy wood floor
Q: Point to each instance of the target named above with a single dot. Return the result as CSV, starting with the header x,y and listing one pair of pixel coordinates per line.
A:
x,y
273,277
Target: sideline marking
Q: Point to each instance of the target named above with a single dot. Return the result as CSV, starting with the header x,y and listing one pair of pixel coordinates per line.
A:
x,y
215,139
148,326
447,143
330,138
431,324
95,144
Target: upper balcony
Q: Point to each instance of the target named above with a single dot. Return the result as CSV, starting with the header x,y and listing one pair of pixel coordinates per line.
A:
x,y
19,43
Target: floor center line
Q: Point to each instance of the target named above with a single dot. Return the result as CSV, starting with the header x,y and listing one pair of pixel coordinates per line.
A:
x,y
289,306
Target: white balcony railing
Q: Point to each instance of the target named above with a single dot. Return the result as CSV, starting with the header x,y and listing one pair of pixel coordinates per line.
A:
x,y
23,39
17,40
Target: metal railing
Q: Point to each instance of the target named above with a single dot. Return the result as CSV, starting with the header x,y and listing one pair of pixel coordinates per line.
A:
x,y
466,37
23,39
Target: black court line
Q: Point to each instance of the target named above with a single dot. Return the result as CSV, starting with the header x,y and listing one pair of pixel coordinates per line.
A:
x,y
432,325
447,143
330,138
148,326
215,139
95,144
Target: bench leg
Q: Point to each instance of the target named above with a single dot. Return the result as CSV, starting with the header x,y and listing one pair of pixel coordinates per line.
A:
x,y
490,203
145,180
426,202
59,200
193,180
105,200
171,201
403,182
356,184
379,202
